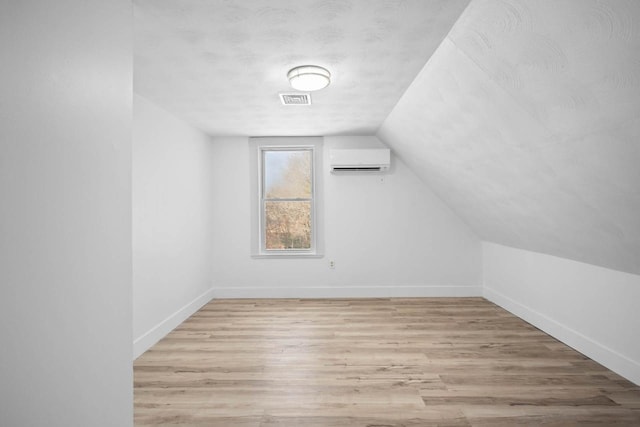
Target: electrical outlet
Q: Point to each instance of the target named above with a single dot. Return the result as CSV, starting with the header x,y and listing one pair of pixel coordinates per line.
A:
x,y
332,264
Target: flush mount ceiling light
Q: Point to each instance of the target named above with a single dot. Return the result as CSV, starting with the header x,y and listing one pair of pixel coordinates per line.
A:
x,y
309,78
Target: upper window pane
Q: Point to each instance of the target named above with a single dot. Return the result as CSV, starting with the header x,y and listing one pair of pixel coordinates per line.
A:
x,y
287,174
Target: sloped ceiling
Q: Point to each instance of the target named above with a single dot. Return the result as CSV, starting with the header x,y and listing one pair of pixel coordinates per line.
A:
x,y
220,64
526,121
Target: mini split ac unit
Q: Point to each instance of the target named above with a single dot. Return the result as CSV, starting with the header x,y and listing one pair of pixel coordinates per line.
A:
x,y
360,160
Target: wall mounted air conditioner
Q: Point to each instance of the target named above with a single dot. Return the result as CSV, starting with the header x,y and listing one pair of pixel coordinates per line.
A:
x,y
360,160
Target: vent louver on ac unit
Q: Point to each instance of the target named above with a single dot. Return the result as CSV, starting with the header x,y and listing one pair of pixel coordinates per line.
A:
x,y
360,160
357,169
295,98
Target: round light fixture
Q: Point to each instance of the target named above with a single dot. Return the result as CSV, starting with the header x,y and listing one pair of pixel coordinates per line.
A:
x,y
309,78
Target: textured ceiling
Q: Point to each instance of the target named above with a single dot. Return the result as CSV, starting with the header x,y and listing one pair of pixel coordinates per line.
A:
x,y
526,121
220,65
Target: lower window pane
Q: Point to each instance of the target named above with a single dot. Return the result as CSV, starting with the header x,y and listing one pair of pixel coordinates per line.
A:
x,y
288,225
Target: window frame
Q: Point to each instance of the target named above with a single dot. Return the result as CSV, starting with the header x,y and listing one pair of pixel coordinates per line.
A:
x,y
258,148
264,200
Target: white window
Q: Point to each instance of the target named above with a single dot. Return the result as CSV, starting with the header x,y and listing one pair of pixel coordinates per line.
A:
x,y
286,217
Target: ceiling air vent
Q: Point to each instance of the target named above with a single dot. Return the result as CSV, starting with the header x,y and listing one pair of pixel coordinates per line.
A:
x,y
295,98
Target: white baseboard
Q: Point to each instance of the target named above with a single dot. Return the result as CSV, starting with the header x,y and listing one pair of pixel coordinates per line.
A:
x,y
348,292
607,357
155,334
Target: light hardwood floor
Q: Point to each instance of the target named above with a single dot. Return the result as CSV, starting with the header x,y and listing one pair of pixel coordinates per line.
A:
x,y
372,362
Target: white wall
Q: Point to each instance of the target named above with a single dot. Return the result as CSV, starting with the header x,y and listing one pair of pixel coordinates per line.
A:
x,y
388,235
172,220
592,309
65,213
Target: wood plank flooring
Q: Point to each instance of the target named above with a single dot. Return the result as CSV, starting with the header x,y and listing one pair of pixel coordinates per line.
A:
x,y
374,363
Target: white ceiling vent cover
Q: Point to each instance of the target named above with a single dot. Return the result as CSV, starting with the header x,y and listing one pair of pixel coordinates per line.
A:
x,y
295,98
360,160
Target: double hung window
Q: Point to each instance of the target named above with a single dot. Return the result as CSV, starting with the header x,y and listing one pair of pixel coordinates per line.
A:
x,y
287,199
286,208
